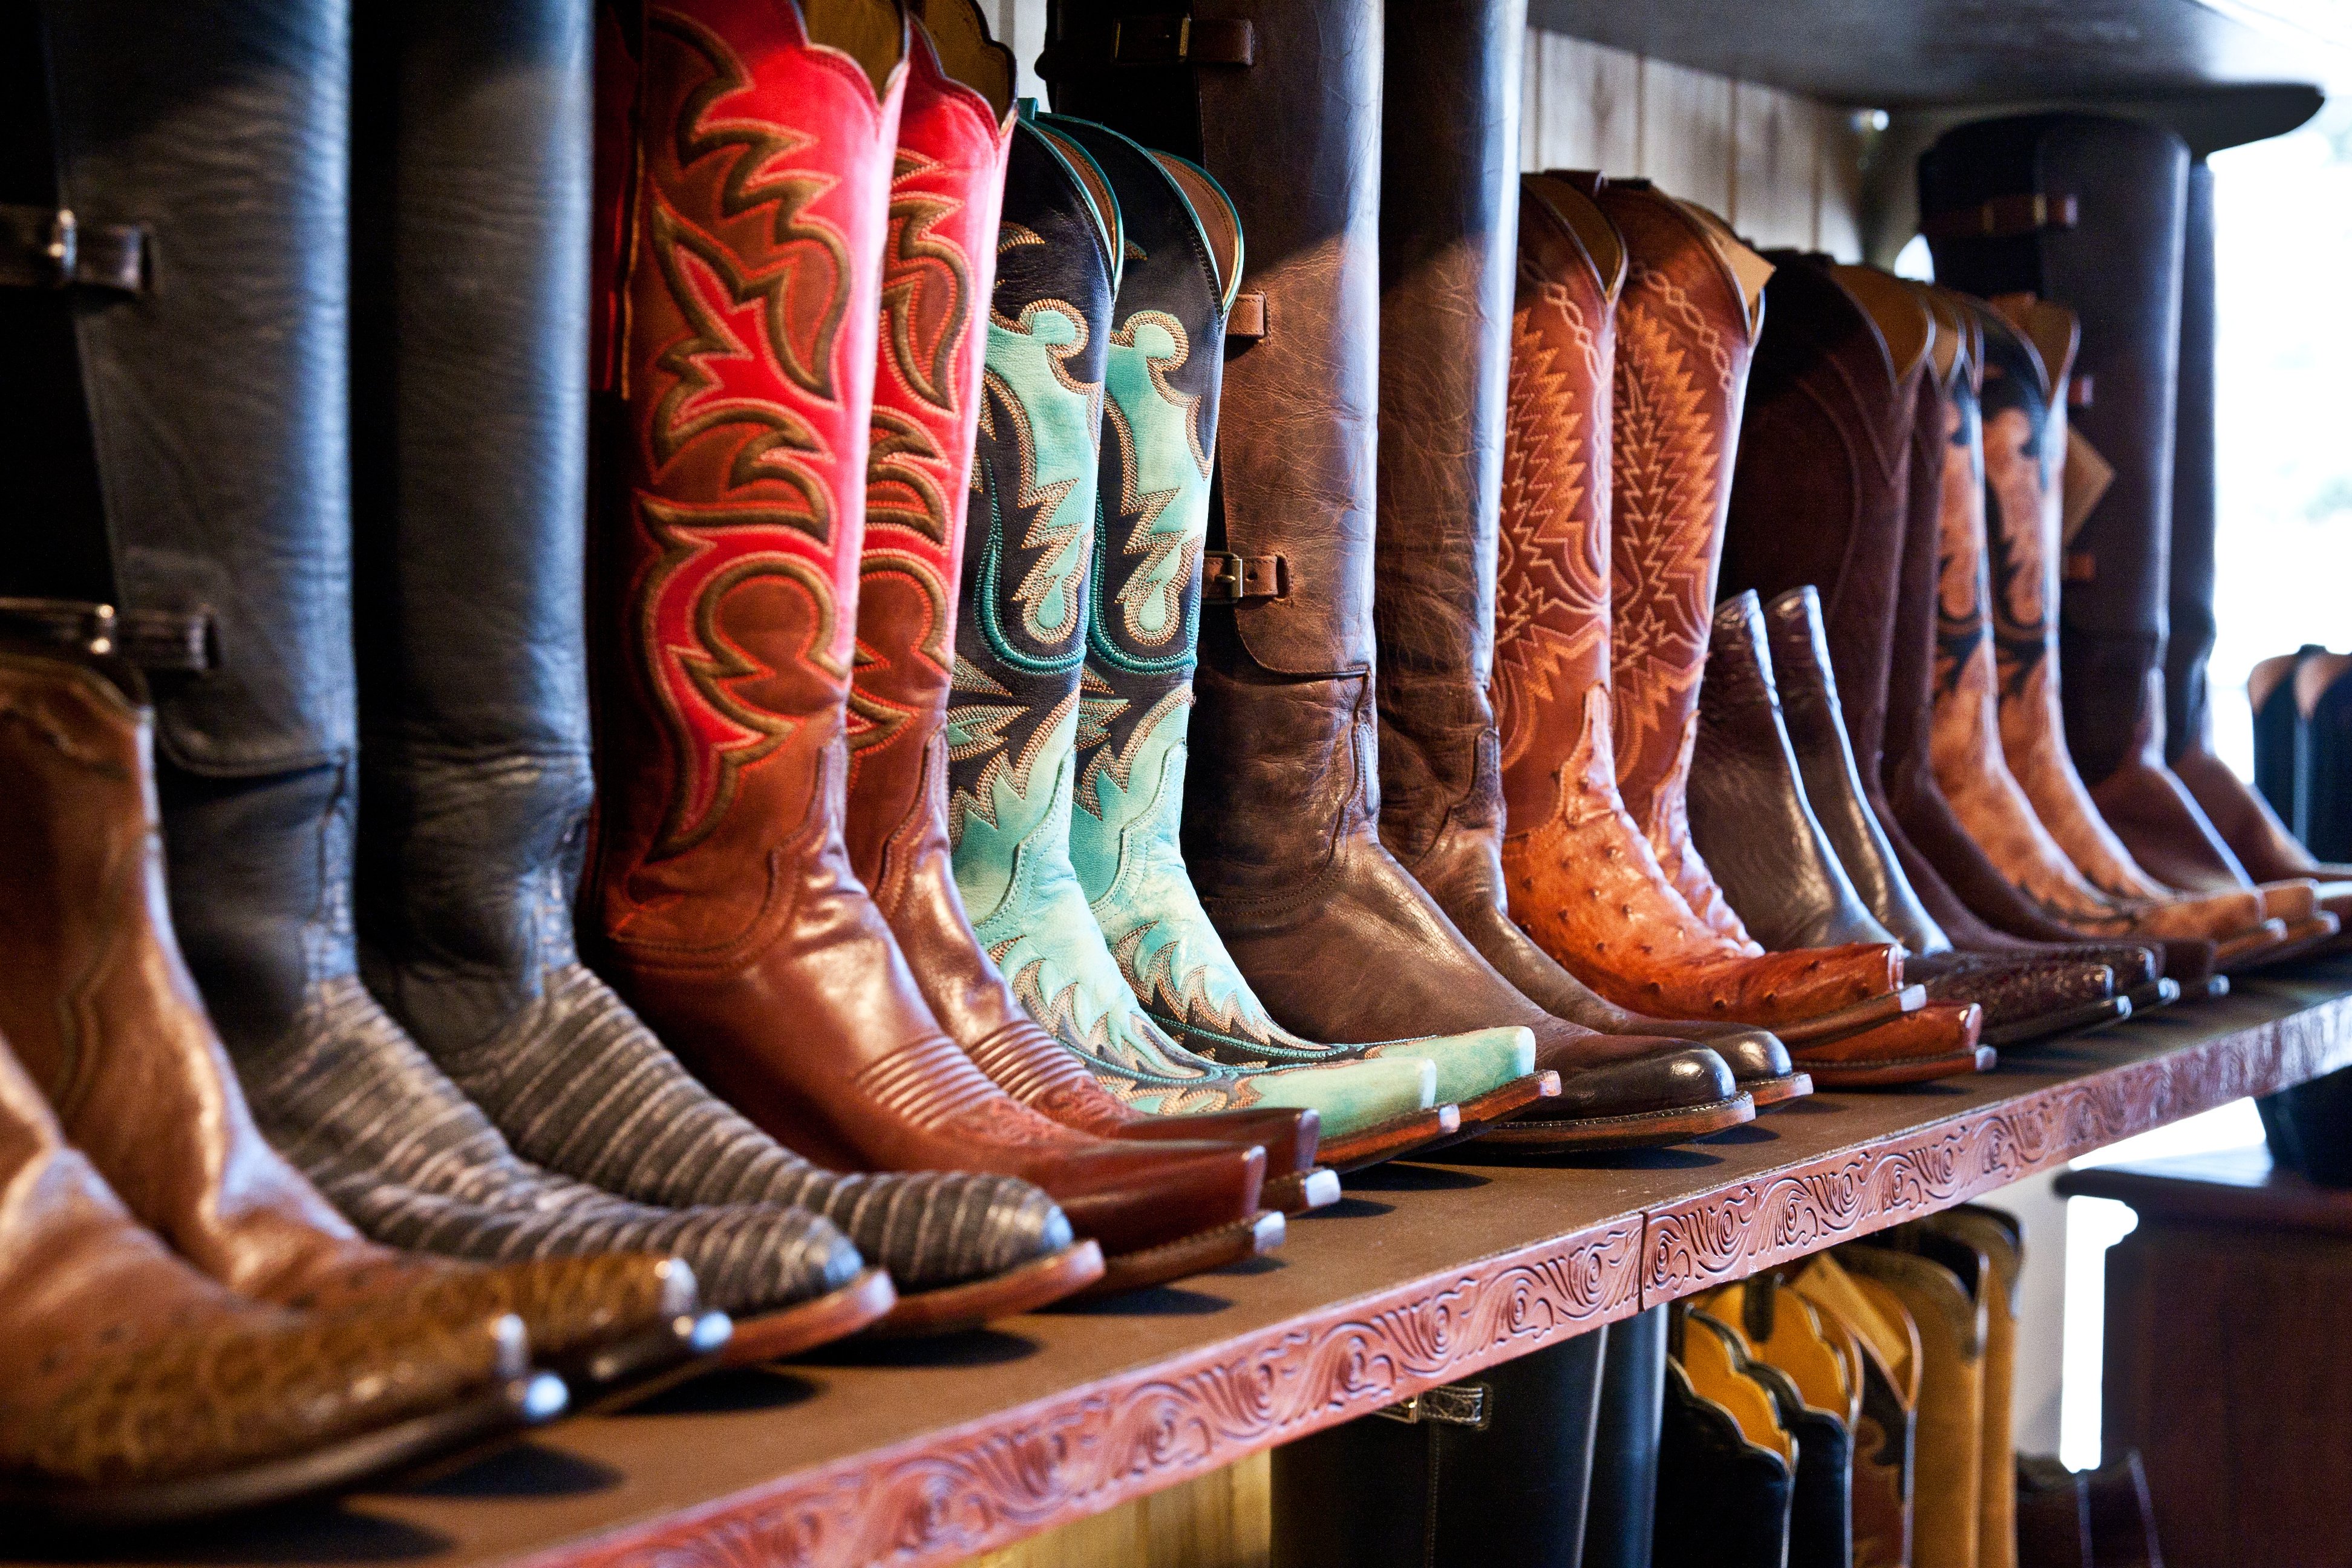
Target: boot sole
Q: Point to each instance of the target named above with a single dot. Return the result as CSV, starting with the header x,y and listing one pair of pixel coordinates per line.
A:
x,y
2160,993
2304,939
952,1309
2090,1014
1634,1130
1770,1091
1497,1105
442,1440
1894,1074
612,1376
1389,1138
1244,1239
1854,1019
1301,1192
773,1336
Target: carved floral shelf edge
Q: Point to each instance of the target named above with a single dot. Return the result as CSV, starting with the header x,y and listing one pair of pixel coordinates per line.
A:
x,y
971,1488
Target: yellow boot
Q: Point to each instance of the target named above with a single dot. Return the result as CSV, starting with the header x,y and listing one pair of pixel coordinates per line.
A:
x,y
1875,1336
1999,1236
1947,1305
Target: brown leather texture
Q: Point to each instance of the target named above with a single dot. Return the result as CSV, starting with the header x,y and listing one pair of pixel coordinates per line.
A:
x,y
1582,879
722,900
119,1362
1941,1036
1685,332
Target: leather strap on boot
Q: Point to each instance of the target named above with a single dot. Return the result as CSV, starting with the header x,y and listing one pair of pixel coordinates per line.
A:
x,y
179,640
41,247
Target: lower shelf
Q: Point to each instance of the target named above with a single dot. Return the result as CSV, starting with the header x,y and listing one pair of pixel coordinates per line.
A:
x,y
918,1454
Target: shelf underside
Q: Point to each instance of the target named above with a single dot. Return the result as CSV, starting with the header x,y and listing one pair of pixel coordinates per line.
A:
x,y
1882,55
927,1454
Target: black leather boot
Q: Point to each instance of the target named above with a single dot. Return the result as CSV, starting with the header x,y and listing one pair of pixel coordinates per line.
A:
x,y
215,396
470,327
1492,1469
1621,1502
1280,101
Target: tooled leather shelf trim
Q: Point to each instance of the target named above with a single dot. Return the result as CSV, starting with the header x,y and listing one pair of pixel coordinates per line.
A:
x,y
937,1498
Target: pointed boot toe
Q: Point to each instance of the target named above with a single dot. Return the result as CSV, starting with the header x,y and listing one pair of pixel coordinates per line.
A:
x,y
1141,1195
1669,1096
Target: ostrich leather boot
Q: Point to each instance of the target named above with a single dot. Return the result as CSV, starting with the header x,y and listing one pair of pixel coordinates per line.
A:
x,y
2029,350
2255,840
1142,621
1817,499
1282,831
216,394
917,493
135,1390
1448,213
2088,211
720,897
1979,907
1965,733
1638,941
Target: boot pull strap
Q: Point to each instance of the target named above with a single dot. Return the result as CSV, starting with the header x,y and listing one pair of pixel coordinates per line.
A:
x,y
2002,217
183,641
1227,578
1245,322
1154,40
48,248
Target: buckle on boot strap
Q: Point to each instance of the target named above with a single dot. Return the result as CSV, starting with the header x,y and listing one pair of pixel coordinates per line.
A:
x,y
1455,1404
42,248
181,640
2002,217
1228,579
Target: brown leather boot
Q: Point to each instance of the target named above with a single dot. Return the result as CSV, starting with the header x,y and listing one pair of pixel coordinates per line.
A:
x,y
103,1016
1449,201
1964,741
1817,499
721,899
2029,347
945,199
135,1391
1635,940
1281,830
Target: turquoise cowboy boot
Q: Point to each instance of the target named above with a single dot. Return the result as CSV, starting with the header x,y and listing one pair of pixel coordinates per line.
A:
x,y
1182,249
1013,723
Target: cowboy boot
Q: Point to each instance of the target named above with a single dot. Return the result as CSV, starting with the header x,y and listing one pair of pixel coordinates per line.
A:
x,y
474,757
1823,471
134,1391
231,565
1959,882
2251,832
1282,837
1750,815
1020,684
2323,700
1167,342
2089,212
1622,1499
2029,353
1638,940
1495,1468
916,486
1450,148
2279,740
1965,746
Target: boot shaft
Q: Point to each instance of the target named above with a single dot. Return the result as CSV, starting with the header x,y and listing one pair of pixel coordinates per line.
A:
x,y
2187,718
747,330
1449,216
1552,622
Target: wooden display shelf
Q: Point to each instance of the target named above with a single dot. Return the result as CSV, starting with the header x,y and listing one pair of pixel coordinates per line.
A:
x,y
931,1453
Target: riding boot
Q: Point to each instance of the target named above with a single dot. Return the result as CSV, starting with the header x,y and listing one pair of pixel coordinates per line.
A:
x,y
1281,828
1816,500
2029,347
957,126
1450,148
216,396
1557,776
2248,827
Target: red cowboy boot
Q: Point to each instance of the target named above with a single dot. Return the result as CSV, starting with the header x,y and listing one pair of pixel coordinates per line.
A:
x,y
722,900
